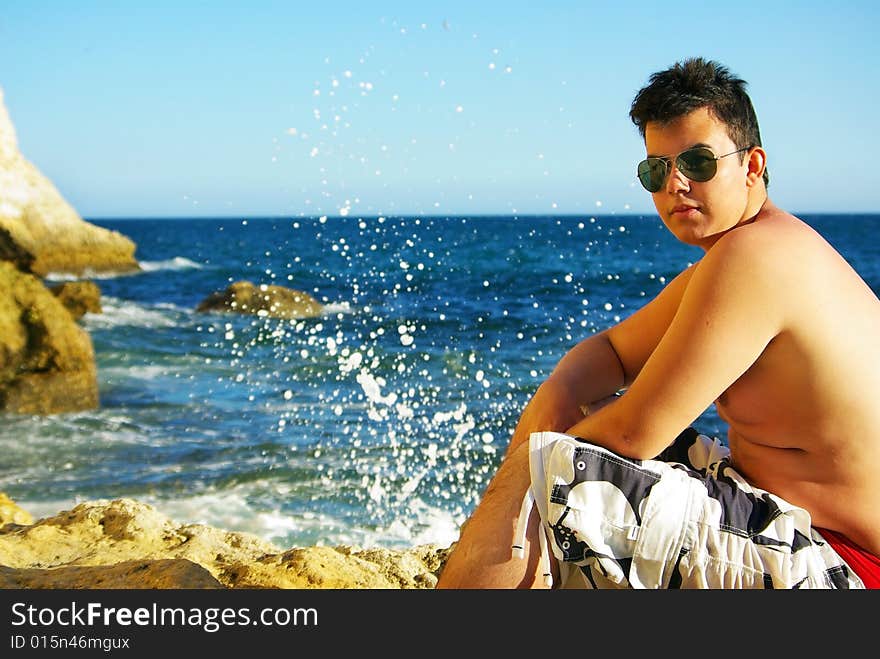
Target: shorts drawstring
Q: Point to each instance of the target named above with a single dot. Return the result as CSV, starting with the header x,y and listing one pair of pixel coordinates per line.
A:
x,y
519,538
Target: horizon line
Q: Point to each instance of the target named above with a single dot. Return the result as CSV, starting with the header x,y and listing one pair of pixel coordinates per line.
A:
x,y
566,215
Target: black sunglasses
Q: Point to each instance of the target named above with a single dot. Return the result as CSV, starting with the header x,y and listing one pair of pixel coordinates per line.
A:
x,y
699,164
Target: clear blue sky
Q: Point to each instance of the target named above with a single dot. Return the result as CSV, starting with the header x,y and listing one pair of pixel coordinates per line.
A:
x,y
368,108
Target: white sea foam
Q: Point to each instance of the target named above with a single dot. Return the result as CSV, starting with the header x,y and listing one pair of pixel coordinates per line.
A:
x,y
337,308
88,273
116,313
231,511
435,526
227,510
223,510
151,372
177,263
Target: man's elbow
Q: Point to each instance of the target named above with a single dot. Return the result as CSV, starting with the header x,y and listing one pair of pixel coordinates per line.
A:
x,y
626,434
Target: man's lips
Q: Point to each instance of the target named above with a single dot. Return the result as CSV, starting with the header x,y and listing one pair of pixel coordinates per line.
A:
x,y
683,209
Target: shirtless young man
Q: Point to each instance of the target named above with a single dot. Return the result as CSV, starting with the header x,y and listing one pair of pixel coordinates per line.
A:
x,y
772,325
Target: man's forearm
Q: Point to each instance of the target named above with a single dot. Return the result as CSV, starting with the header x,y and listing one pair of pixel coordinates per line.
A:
x,y
581,382
596,405
591,371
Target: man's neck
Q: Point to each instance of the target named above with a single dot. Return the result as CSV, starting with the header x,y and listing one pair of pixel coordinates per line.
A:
x,y
759,203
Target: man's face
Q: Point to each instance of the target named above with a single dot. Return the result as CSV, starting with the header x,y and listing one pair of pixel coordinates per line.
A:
x,y
699,213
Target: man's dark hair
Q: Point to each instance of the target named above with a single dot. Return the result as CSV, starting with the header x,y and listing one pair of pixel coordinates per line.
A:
x,y
697,83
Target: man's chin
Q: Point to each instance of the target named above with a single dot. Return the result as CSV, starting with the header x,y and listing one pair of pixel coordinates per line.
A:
x,y
691,235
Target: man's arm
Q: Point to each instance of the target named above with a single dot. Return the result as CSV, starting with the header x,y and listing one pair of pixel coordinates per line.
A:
x,y
733,306
599,366
588,372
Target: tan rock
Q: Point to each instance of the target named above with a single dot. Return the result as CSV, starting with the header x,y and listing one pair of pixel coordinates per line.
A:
x,y
11,512
340,567
128,544
47,361
167,573
10,250
41,223
78,297
265,300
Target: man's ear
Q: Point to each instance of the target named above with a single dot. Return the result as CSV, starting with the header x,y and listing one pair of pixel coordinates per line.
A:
x,y
757,163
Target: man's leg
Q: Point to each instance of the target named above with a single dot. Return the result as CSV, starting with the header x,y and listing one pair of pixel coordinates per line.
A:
x,y
483,557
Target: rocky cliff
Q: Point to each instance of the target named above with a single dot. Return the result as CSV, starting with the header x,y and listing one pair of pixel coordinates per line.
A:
x,y
36,221
47,362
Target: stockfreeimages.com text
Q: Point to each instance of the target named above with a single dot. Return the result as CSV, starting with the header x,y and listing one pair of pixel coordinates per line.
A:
x,y
95,614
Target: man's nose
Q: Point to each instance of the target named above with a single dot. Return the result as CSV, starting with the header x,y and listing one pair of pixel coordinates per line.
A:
x,y
676,181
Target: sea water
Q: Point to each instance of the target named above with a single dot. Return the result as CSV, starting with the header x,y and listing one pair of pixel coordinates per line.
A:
x,y
378,423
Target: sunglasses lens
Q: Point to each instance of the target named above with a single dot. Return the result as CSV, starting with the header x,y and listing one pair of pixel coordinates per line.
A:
x,y
698,164
652,173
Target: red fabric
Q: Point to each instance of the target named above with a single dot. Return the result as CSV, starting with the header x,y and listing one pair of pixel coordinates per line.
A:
x,y
863,563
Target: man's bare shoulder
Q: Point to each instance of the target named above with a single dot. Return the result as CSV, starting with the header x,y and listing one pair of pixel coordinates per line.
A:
x,y
766,231
776,245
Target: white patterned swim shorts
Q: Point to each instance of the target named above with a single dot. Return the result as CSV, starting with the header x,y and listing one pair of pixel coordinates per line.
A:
x,y
686,519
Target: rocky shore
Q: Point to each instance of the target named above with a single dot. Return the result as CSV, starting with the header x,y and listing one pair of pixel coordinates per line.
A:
x,y
124,543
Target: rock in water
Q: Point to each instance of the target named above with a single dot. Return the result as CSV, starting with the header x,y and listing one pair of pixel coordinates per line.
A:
x,y
40,229
47,361
265,300
79,297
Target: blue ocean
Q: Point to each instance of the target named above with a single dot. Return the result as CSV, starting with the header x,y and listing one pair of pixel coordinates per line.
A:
x,y
379,423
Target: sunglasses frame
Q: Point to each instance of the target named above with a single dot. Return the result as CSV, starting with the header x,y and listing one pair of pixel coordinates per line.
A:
x,y
666,160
